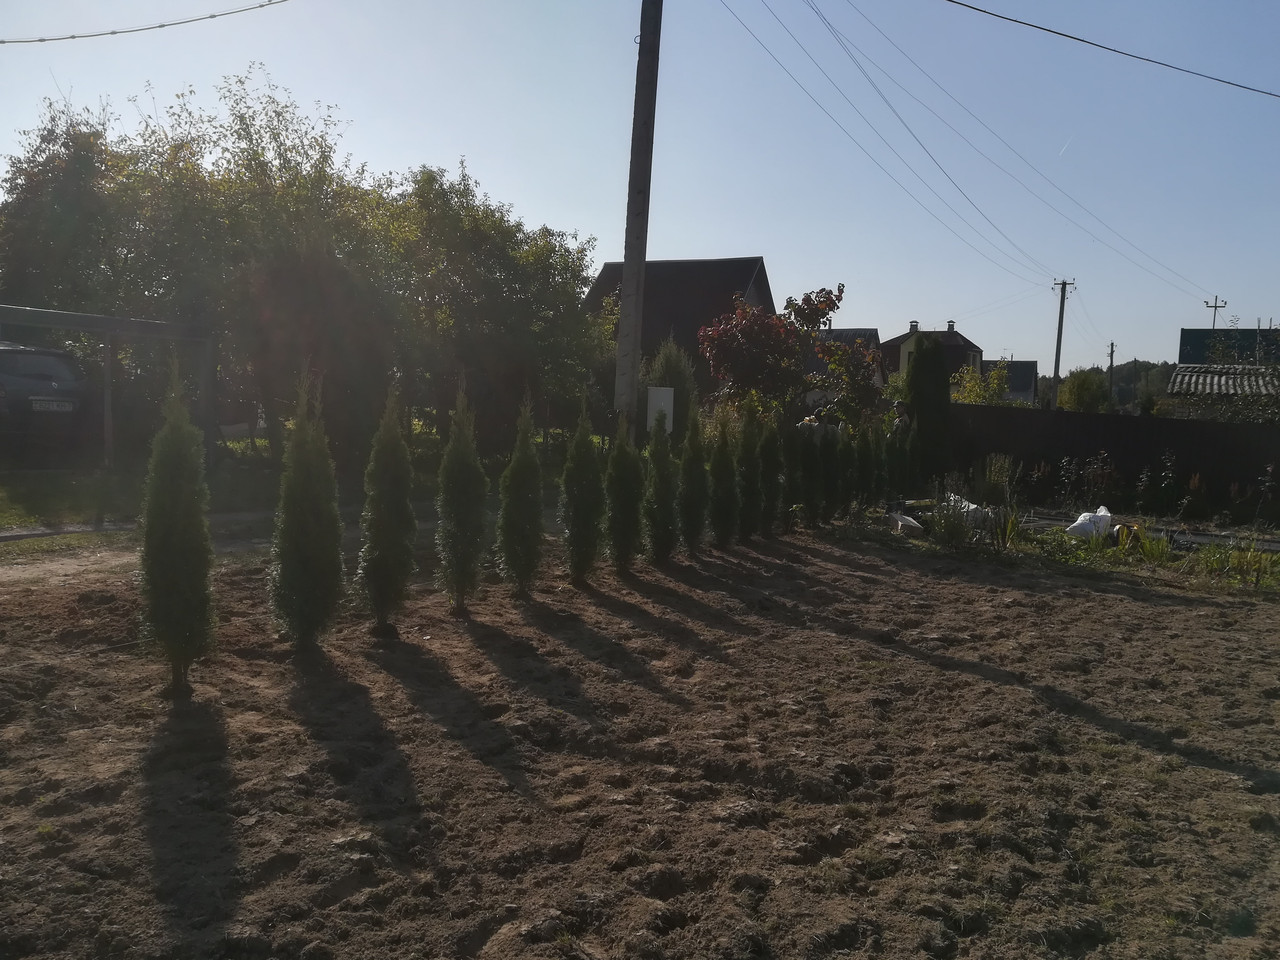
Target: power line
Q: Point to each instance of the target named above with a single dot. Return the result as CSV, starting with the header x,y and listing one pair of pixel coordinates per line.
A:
x,y
1034,169
883,169
153,26
1100,46
1028,264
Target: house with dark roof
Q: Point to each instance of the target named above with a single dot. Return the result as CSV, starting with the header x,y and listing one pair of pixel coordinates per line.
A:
x,y
1024,376
958,349
683,296
868,337
1229,345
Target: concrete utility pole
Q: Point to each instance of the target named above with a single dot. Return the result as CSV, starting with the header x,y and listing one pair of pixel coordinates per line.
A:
x,y
636,242
1111,371
1057,353
1215,307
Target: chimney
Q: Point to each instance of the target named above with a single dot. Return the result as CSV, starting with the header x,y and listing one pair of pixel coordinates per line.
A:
x,y
915,326
951,326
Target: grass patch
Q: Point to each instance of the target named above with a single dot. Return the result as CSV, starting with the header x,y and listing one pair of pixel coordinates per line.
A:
x,y
37,548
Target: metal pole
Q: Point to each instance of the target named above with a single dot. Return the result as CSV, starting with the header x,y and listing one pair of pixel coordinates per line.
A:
x,y
635,247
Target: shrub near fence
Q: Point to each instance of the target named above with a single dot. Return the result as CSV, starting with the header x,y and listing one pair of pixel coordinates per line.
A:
x,y
1220,454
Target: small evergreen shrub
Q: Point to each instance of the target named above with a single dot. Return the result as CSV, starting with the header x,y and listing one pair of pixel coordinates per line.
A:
x,y
829,454
865,484
811,476
460,509
176,551
723,506
671,367
660,493
624,490
792,466
387,525
748,463
520,527
695,491
306,551
847,455
583,503
770,478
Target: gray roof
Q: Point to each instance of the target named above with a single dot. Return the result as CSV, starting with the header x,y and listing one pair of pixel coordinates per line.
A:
x,y
1224,380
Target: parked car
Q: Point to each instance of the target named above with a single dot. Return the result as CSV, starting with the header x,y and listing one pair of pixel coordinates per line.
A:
x,y
43,395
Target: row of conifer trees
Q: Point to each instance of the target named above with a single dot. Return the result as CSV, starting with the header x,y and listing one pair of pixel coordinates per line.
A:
x,y
759,476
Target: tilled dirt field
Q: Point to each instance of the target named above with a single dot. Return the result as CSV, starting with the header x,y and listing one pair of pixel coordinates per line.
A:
x,y
796,749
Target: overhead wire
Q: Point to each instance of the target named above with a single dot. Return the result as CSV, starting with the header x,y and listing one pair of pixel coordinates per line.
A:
x,y
153,26
840,40
1028,163
1123,53
1000,303
852,139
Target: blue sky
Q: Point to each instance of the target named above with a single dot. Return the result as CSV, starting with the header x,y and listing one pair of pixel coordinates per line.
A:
x,y
1171,171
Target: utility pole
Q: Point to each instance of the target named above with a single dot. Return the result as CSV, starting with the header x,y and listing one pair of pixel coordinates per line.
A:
x,y
1111,371
636,242
1057,353
1215,307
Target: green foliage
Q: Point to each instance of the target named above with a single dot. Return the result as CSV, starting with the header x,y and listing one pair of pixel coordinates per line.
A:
x,y
583,504
460,508
661,489
989,389
792,470
829,455
387,525
671,367
306,552
928,394
770,477
624,490
865,485
520,514
750,493
695,493
723,506
812,481
1084,390
176,551
847,457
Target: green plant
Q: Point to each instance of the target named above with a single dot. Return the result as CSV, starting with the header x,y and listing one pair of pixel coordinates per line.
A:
x,y
672,367
624,493
582,504
460,509
387,525
770,477
1004,526
949,524
694,494
750,492
724,503
176,550
306,551
829,457
811,473
660,493
1253,566
520,512
1154,549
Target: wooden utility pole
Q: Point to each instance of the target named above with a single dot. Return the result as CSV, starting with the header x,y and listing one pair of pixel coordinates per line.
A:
x,y
1215,307
636,242
1057,353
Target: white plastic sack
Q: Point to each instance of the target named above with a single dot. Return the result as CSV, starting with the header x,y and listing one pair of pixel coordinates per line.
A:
x,y
1091,524
974,514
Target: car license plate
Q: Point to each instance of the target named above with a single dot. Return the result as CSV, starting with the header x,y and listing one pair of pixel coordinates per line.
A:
x,y
53,406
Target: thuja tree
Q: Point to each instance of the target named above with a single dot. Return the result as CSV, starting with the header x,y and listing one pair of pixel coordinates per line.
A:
x,y
672,367
176,551
387,525
792,465
306,552
660,493
583,504
865,483
770,477
520,520
624,491
748,463
460,506
694,489
723,506
811,481
829,455
847,454
928,394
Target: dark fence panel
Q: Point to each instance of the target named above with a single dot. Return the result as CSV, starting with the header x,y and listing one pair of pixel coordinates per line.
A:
x,y
1221,453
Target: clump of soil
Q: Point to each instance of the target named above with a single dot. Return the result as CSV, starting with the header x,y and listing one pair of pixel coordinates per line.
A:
x,y
810,747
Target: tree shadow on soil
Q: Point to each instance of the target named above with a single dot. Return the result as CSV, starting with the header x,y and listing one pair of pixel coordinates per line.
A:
x,y
570,629
1261,779
521,663
364,758
464,717
187,784
685,603
649,622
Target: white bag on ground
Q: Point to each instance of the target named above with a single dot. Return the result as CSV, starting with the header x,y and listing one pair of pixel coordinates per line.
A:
x,y
1091,524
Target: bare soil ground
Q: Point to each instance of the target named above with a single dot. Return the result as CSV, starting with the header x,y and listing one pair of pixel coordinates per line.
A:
x,y
812,747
